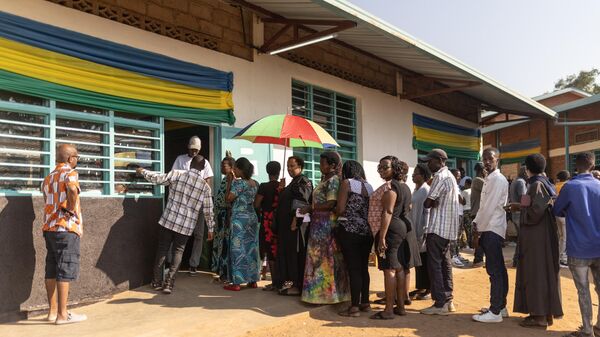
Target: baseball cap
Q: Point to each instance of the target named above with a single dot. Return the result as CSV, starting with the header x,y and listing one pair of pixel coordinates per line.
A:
x,y
434,154
194,143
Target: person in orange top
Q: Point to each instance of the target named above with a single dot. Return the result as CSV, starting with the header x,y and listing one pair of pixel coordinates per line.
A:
x,y
62,231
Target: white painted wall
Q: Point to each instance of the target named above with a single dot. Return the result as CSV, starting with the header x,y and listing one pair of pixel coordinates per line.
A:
x,y
262,87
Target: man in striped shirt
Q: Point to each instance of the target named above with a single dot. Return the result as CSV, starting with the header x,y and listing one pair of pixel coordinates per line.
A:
x,y
189,194
443,227
62,229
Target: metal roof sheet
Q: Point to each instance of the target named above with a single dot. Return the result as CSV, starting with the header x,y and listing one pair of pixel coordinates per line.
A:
x,y
379,38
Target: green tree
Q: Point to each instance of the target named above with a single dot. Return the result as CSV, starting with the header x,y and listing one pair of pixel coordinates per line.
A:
x,y
585,80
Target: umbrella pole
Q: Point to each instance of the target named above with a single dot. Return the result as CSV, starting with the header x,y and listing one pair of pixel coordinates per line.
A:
x,y
284,157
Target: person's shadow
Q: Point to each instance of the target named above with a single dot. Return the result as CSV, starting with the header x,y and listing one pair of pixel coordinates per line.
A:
x,y
128,252
17,255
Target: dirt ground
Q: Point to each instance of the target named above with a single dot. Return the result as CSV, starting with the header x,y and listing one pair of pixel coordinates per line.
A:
x,y
471,288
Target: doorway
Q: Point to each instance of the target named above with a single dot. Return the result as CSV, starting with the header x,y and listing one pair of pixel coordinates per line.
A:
x,y
176,138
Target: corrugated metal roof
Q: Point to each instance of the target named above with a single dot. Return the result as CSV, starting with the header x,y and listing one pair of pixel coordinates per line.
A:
x,y
379,38
577,104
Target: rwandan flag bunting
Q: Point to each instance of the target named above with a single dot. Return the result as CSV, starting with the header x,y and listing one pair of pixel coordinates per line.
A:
x,y
456,140
516,152
42,60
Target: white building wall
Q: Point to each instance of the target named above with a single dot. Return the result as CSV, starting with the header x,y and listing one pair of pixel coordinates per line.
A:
x,y
262,87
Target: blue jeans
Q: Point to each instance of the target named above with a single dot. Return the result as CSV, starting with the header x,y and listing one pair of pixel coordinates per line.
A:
x,y
491,243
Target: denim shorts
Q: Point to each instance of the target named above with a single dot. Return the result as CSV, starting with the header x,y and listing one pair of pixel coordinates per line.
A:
x,y
62,258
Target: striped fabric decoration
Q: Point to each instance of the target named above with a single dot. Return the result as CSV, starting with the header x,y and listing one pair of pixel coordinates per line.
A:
x,y
516,152
85,70
456,140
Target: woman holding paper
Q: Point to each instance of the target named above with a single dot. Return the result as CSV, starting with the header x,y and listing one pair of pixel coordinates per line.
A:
x,y
291,243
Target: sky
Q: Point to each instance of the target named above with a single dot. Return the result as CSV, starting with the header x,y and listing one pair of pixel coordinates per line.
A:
x,y
526,45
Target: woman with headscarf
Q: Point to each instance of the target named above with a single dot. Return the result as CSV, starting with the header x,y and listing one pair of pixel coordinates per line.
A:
x,y
537,289
325,275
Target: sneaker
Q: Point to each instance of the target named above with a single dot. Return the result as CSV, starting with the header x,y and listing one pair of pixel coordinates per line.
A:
x,y
456,262
477,264
433,310
503,312
488,317
71,318
424,296
168,287
563,264
193,271
450,306
156,286
463,259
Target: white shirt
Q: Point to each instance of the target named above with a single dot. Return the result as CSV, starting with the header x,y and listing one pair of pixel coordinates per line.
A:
x,y
491,216
183,163
466,194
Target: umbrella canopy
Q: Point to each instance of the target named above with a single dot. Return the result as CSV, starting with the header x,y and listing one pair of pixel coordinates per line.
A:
x,y
287,130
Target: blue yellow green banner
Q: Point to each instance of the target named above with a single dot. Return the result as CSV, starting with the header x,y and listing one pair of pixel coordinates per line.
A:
x,y
457,141
516,152
60,59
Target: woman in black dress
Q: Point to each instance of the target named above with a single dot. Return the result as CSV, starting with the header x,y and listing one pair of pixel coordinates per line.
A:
x,y
390,240
291,237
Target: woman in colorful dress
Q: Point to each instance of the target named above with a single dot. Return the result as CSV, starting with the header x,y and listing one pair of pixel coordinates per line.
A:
x,y
222,217
291,235
388,211
325,275
354,234
266,203
244,259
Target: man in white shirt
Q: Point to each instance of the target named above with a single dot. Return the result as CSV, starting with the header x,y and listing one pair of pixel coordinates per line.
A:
x,y
490,222
183,163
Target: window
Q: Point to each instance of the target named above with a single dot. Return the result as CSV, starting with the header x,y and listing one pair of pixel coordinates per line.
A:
x,y
335,112
111,145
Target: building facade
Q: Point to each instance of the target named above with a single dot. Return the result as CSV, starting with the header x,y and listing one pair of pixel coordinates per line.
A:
x,y
366,102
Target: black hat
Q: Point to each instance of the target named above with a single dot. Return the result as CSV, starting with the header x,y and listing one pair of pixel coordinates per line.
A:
x,y
435,154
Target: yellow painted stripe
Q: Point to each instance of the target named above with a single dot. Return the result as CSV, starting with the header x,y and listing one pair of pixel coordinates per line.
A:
x,y
74,72
324,136
519,154
446,138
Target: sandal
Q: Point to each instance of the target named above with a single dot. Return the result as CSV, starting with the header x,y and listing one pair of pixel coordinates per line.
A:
x,y
232,287
381,316
531,322
367,307
380,301
269,287
399,312
350,312
252,285
289,292
580,333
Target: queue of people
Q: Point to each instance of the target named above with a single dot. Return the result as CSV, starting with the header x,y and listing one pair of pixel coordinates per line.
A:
x,y
318,240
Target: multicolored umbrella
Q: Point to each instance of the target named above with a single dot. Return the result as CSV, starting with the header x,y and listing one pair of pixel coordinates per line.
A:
x,y
287,130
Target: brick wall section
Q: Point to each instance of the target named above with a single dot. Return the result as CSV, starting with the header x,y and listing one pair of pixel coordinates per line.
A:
x,y
551,136
212,24
560,99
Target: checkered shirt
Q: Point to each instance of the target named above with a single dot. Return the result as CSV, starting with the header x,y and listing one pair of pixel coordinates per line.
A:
x,y
444,219
189,194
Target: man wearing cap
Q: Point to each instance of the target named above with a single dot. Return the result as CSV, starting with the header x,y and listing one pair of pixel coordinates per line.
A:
x,y
443,227
183,163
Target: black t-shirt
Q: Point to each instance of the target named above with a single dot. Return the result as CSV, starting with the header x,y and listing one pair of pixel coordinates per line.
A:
x,y
268,191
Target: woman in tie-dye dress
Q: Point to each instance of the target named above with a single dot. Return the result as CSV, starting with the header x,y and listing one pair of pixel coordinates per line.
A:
x,y
325,275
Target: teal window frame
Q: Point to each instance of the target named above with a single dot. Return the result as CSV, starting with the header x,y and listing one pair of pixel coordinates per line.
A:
x,y
51,114
340,121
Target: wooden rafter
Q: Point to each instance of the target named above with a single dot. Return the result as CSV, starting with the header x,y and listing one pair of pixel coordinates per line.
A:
x,y
440,91
337,26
